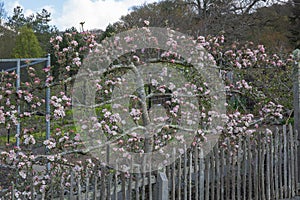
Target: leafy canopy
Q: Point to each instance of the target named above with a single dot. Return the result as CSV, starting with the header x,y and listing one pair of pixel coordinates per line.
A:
x,y
27,44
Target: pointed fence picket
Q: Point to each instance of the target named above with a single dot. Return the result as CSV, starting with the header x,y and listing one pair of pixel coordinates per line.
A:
x,y
261,166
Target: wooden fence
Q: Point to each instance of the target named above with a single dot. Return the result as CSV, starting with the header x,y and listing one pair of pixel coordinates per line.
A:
x,y
263,166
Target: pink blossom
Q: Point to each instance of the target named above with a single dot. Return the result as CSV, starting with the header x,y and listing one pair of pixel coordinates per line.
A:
x,y
261,48
128,39
47,69
146,22
58,38
75,43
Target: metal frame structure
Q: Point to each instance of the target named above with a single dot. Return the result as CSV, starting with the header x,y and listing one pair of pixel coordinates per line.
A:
x,y
16,65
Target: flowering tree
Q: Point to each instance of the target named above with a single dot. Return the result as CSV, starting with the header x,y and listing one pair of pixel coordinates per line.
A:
x,y
162,106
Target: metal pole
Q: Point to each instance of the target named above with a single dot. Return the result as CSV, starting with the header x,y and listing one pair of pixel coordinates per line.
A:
x,y
297,107
47,99
298,129
18,127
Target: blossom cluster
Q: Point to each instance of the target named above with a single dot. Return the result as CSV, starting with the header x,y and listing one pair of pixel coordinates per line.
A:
x,y
171,101
70,49
59,104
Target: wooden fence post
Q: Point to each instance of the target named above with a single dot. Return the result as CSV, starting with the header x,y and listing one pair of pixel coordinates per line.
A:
x,y
297,105
162,186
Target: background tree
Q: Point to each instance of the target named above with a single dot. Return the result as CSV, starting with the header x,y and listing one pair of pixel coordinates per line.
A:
x,y
27,45
38,22
205,7
109,31
260,21
269,26
42,29
295,24
7,42
172,14
41,22
17,20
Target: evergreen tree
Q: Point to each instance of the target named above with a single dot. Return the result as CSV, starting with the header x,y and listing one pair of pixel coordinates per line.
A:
x,y
27,45
17,20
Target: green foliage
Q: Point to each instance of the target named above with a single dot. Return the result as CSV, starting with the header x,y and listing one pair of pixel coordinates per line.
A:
x,y
110,31
7,42
40,24
27,45
42,29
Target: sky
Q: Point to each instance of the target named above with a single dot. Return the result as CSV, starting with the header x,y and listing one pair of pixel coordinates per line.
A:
x,y
96,14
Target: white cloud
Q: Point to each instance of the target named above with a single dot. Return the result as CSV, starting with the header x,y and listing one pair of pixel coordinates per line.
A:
x,y
95,13
28,12
10,5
